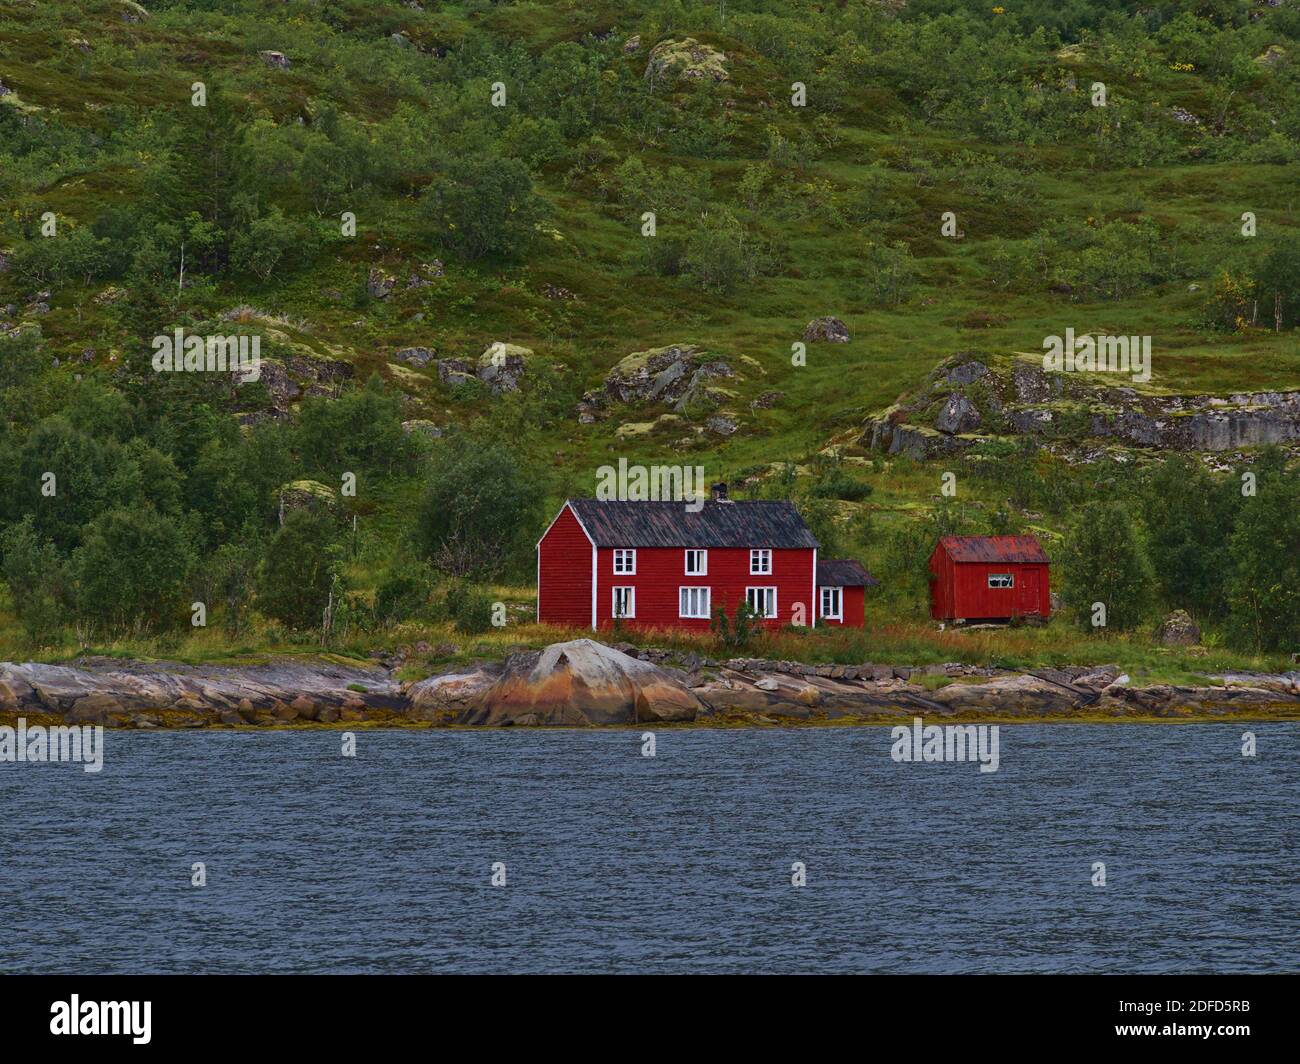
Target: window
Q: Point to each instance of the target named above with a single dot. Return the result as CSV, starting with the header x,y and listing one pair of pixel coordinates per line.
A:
x,y
693,602
624,602
833,603
760,562
697,563
625,562
1002,580
762,600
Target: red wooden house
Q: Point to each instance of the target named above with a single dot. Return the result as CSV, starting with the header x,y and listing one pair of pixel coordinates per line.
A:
x,y
659,565
988,578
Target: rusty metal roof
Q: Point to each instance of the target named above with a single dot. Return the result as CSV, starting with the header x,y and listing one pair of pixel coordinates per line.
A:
x,y
994,549
741,523
835,572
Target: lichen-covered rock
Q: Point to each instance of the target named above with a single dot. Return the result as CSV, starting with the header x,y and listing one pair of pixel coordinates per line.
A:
x,y
581,682
676,376
306,495
278,60
1179,630
414,356
722,425
422,427
501,366
1271,56
379,283
958,415
827,330
685,60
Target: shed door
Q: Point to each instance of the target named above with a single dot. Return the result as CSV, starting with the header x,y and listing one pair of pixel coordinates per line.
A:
x,y
1029,589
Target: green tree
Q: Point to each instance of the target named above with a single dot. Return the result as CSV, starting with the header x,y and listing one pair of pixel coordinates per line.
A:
x,y
298,571
1187,542
484,205
34,572
1106,562
130,571
1263,591
480,509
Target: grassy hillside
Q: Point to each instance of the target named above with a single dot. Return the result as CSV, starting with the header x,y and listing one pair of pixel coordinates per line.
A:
x,y
522,223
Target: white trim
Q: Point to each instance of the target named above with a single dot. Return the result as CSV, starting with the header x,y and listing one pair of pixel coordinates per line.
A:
x,y
631,601
775,615
839,598
816,591
708,603
686,555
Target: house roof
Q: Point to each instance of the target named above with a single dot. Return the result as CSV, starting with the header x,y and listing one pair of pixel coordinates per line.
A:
x,y
741,523
994,549
835,572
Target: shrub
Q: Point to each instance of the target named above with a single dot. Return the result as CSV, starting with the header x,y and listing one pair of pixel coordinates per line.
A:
x,y
297,572
470,609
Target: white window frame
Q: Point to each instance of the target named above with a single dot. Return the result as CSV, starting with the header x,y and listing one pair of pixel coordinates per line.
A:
x,y
702,556
776,612
628,558
762,558
1010,579
706,593
628,613
838,615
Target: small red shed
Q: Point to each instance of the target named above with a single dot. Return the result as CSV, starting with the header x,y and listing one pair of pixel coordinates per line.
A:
x,y
989,578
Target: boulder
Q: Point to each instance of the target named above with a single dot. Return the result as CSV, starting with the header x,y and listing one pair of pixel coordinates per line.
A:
x,y
501,366
673,375
632,45
450,693
1178,630
278,60
685,60
379,284
826,330
958,415
453,371
581,682
305,495
414,356
423,427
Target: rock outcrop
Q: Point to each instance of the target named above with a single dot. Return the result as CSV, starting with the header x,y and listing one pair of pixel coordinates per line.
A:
x,y
967,401
685,60
826,330
675,376
582,682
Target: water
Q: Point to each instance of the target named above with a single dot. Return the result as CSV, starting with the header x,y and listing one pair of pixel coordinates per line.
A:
x,y
680,863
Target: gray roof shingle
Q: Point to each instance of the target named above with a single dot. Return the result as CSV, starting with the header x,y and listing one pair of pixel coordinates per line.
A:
x,y
836,572
740,523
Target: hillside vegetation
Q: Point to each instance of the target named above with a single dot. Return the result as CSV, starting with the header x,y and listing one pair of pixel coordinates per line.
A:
x,y
451,226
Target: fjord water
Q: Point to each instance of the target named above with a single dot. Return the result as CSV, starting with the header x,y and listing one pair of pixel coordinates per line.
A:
x,y
678,863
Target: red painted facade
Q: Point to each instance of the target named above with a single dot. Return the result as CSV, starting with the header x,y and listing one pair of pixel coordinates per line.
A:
x,y
564,555
661,573
853,609
565,583
969,579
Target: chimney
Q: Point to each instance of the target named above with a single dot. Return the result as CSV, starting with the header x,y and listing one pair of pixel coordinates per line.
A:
x,y
720,491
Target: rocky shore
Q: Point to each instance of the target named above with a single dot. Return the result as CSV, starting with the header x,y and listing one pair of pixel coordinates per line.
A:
x,y
584,682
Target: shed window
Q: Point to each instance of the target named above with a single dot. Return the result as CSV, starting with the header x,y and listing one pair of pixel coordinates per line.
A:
x,y
760,562
832,603
697,562
693,602
625,562
1002,580
624,602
